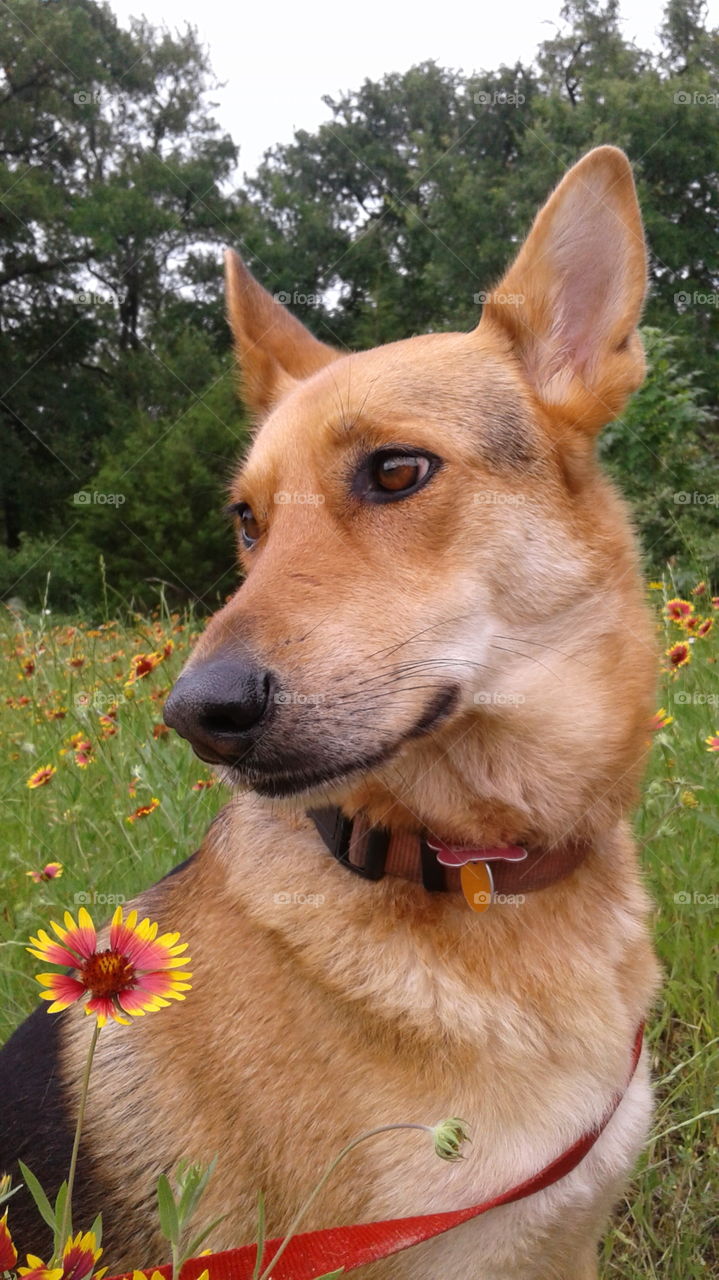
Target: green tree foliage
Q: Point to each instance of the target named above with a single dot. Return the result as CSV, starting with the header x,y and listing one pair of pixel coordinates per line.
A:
x,y
392,218
111,172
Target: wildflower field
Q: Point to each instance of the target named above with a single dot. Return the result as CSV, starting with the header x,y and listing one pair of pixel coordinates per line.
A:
x,y
99,800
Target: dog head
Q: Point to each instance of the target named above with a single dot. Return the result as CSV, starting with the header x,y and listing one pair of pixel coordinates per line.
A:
x,y
441,618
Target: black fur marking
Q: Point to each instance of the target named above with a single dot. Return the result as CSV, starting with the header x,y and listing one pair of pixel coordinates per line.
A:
x,y
180,867
37,1127
508,442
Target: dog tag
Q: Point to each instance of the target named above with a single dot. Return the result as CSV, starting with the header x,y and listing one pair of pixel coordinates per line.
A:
x,y
477,885
453,857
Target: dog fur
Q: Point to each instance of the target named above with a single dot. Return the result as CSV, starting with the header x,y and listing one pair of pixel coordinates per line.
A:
x,y
509,587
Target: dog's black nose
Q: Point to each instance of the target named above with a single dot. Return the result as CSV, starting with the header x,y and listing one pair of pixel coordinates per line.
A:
x,y
217,704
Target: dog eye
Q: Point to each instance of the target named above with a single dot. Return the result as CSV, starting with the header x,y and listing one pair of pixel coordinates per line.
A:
x,y
249,525
391,474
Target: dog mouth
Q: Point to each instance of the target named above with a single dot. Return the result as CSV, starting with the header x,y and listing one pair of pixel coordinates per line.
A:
x,y
274,780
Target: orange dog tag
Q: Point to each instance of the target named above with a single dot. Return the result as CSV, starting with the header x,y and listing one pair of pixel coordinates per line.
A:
x,y
477,885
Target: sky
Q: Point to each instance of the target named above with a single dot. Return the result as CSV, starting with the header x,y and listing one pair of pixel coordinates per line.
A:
x,y
278,59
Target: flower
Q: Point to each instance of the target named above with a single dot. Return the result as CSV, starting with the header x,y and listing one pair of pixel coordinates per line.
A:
x,y
77,662
37,1270
143,810
715,602
678,610
78,1261
142,664
712,742
660,720
448,1138
655,586
51,871
678,655
136,974
688,800
203,783
41,777
699,589
705,627
8,1252
159,730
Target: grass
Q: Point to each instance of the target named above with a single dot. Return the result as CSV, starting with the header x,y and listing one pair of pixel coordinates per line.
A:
x,y
58,678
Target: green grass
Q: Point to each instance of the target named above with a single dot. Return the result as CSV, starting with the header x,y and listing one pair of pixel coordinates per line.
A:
x,y
665,1228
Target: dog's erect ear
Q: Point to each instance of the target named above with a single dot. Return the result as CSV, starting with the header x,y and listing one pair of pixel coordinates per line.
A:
x,y
571,300
273,348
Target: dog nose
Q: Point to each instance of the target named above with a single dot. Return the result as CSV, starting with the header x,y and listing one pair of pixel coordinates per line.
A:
x,y
216,705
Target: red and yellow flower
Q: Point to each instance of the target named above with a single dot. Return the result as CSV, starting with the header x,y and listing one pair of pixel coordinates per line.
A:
x,y
678,610
51,871
143,810
705,627
712,742
78,1261
678,654
660,720
41,777
142,664
8,1252
138,973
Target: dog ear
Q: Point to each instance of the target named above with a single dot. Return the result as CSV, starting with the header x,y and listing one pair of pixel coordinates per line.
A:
x,y
273,348
571,300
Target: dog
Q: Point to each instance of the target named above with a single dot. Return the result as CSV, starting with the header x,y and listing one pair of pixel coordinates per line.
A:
x,y
440,645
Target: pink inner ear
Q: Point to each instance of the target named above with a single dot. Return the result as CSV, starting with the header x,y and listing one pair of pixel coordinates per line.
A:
x,y
589,250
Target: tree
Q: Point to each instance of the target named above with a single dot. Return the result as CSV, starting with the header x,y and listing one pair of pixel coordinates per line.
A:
x,y
112,171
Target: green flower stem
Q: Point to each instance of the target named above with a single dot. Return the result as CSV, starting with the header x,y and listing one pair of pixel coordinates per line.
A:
x,y
67,1210
304,1209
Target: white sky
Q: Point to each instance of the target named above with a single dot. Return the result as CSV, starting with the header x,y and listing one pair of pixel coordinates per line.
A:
x,y
279,58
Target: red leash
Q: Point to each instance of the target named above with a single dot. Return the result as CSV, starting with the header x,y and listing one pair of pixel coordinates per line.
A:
x,y
312,1254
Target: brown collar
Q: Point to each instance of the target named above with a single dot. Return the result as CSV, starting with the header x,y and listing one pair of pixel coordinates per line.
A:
x,y
375,851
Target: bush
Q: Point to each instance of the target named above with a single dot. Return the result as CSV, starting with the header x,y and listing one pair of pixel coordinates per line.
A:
x,y
663,458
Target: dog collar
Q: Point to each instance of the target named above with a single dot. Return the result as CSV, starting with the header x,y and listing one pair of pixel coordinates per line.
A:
x,y
484,875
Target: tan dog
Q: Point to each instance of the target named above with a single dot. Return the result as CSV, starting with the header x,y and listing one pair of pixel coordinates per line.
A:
x,y
442,629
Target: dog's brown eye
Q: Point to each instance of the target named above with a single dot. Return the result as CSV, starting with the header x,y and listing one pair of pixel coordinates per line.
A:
x,y
391,474
396,473
249,526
